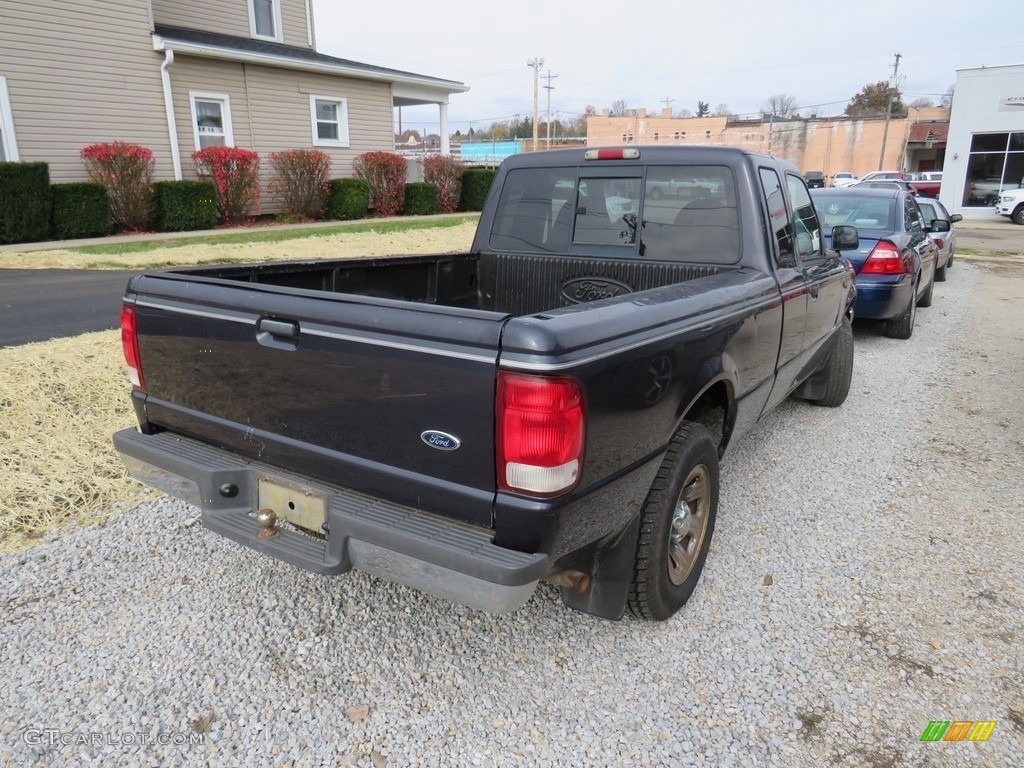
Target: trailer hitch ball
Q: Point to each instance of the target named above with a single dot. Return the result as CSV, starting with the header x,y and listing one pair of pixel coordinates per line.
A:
x,y
267,518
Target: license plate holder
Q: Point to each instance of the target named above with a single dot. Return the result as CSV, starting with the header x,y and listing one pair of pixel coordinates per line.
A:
x,y
301,505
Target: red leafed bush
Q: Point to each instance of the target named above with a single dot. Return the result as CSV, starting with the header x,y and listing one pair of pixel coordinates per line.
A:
x,y
236,176
126,171
445,173
303,181
385,173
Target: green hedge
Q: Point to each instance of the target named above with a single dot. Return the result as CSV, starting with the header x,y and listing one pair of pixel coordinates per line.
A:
x,y
24,202
179,206
420,199
476,183
81,209
348,199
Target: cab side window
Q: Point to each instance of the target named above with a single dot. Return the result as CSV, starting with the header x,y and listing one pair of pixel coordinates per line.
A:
x,y
778,216
805,220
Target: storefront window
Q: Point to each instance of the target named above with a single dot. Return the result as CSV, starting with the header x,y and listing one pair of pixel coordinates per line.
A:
x,y
996,163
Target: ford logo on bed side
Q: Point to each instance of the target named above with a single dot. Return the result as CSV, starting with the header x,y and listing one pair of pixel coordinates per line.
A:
x,y
581,289
440,440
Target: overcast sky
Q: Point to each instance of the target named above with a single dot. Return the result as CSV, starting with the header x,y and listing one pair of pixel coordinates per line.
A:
x,y
732,52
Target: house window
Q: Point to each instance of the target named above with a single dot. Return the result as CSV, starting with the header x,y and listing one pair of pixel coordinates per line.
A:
x,y
330,121
8,146
211,120
265,19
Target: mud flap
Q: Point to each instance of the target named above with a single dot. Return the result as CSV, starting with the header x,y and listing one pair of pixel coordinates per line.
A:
x,y
610,573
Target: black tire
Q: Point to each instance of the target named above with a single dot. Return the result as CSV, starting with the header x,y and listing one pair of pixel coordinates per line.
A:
x,y
1017,217
840,368
677,521
940,274
926,300
902,327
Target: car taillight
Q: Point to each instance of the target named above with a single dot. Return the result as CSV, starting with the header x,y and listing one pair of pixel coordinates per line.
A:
x,y
539,421
885,259
939,242
130,345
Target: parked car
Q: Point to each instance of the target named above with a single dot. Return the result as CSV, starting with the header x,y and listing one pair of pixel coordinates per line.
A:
x,y
886,175
1011,204
895,262
928,176
814,179
934,211
906,186
843,179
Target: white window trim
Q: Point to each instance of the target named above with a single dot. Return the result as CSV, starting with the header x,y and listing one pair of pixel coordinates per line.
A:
x,y
279,36
7,124
229,136
343,137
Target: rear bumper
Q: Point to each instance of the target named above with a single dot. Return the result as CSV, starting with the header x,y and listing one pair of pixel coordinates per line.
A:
x,y
877,300
452,560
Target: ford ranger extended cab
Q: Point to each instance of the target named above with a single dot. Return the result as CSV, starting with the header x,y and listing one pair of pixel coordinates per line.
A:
x,y
551,405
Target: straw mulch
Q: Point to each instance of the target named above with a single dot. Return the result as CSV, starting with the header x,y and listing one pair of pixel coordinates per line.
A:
x,y
60,401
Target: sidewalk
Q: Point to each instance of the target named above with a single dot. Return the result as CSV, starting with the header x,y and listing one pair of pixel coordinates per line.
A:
x,y
53,245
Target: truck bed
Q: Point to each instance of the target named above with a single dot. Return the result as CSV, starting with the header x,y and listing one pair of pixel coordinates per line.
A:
x,y
510,284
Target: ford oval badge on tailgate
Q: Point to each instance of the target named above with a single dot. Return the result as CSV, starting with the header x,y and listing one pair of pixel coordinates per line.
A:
x,y
581,289
440,440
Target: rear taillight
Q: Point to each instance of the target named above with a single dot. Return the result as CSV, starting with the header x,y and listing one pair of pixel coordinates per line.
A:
x,y
539,422
939,242
130,345
885,259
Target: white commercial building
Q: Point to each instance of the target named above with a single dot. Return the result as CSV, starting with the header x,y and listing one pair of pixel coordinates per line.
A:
x,y
985,146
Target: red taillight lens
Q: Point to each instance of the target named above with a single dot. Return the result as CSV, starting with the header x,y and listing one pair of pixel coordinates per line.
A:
x,y
539,423
130,345
885,259
939,242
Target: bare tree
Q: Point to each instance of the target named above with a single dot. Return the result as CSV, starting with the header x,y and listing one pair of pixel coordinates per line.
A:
x,y
922,103
947,98
780,105
722,110
619,108
684,113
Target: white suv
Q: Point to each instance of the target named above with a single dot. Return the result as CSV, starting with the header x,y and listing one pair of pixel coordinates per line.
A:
x,y
1011,204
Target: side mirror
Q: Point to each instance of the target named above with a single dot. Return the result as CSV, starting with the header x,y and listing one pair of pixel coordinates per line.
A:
x,y
955,218
940,225
845,238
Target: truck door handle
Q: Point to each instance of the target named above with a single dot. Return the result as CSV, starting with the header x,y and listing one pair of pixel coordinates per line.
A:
x,y
288,329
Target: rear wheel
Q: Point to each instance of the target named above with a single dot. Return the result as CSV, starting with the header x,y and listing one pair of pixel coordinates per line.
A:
x,y
840,368
902,327
940,274
676,524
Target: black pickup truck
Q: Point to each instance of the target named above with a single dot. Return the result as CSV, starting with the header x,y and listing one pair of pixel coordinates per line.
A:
x,y
551,405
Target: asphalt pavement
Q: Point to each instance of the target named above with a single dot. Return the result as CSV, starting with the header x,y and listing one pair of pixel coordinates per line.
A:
x,y
42,304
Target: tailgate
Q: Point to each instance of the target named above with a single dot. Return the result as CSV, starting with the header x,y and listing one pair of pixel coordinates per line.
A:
x,y
391,398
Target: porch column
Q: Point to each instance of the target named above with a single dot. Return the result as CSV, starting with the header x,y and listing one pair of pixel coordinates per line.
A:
x,y
443,110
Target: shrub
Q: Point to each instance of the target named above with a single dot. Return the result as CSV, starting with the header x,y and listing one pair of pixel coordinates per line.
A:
x,y
179,206
349,199
303,181
476,183
24,202
445,173
385,172
236,178
420,199
81,210
126,170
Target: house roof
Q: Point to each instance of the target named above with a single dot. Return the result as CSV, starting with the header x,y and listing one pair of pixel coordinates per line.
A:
x,y
936,132
408,87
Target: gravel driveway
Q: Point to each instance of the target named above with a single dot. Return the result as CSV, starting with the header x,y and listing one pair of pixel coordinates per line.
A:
x,y
890,528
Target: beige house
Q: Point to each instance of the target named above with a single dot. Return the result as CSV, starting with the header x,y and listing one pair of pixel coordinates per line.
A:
x,y
858,145
179,75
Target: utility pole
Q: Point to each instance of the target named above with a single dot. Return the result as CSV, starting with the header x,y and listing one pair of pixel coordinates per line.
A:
x,y
668,104
549,88
888,108
536,64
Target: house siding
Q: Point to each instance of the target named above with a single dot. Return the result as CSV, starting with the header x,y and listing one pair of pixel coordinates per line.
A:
x,y
270,112
230,17
80,74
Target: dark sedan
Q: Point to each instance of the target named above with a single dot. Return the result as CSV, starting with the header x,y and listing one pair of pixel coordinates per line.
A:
x,y
895,263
